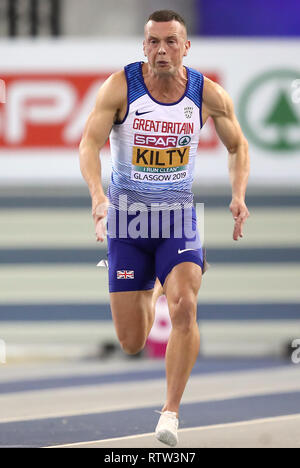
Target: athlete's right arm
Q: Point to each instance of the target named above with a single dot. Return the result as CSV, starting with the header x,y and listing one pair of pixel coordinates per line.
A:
x,y
110,100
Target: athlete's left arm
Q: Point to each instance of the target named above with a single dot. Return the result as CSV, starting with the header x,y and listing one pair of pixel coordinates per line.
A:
x,y
219,106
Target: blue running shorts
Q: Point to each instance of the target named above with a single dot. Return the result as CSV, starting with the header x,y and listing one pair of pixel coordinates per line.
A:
x,y
145,246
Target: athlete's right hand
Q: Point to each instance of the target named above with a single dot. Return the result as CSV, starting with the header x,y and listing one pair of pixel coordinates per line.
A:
x,y
99,211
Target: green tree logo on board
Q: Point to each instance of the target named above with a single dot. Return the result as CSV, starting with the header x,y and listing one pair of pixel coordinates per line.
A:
x,y
268,116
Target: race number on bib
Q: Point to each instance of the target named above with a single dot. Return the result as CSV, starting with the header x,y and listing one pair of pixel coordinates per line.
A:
x,y
159,165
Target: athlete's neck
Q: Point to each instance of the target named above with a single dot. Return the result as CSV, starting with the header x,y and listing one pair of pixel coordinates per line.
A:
x,y
165,87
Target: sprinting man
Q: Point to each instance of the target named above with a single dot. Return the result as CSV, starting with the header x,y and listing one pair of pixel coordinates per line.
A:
x,y
153,113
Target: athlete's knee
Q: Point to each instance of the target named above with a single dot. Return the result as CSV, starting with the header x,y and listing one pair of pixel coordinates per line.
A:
x,y
132,348
183,312
132,345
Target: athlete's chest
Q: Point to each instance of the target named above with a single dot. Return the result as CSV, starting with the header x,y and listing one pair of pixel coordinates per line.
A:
x,y
161,140
147,116
166,98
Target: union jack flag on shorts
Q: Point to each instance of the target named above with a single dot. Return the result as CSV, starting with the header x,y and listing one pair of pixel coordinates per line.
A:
x,y
125,274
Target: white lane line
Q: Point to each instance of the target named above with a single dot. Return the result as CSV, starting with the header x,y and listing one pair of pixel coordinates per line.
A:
x,y
199,428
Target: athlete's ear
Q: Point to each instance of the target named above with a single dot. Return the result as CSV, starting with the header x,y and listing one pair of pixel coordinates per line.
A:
x,y
187,46
144,47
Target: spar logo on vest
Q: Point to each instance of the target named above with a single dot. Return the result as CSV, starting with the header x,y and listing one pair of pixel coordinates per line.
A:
x,y
160,158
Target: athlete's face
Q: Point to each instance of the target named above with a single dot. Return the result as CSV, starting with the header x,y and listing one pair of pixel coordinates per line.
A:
x,y
165,45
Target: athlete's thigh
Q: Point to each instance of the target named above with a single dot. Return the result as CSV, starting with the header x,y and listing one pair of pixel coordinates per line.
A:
x,y
183,280
181,289
180,248
132,313
131,283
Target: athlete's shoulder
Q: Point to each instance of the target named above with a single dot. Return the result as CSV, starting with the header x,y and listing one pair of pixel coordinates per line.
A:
x,y
133,67
115,80
195,86
195,72
113,91
216,98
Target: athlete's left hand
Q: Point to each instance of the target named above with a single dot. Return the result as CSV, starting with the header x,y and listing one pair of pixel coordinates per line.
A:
x,y
240,213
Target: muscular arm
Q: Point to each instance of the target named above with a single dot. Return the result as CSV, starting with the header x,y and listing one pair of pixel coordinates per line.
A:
x,y
219,106
109,101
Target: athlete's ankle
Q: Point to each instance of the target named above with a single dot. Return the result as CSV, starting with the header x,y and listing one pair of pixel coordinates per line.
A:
x,y
171,408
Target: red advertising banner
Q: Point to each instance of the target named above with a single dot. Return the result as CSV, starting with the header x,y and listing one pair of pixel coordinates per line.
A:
x,y
49,111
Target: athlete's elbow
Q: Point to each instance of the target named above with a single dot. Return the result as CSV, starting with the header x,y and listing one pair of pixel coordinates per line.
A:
x,y
88,146
239,146
82,146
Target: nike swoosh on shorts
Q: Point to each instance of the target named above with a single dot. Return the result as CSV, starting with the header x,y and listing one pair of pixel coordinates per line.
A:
x,y
185,250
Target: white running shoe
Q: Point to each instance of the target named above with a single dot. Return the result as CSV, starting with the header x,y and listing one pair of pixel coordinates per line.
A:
x,y
166,429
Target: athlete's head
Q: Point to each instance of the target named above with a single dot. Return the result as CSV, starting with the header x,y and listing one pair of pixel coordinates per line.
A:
x,y
166,41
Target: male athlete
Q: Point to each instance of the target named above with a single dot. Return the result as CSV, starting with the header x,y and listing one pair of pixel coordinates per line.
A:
x,y
153,113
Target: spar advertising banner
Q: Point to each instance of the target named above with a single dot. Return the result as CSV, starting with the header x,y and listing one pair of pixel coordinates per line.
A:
x,y
48,88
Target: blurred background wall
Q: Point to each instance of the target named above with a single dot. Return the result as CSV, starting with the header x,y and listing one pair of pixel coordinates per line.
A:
x,y
273,18
54,55
129,20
